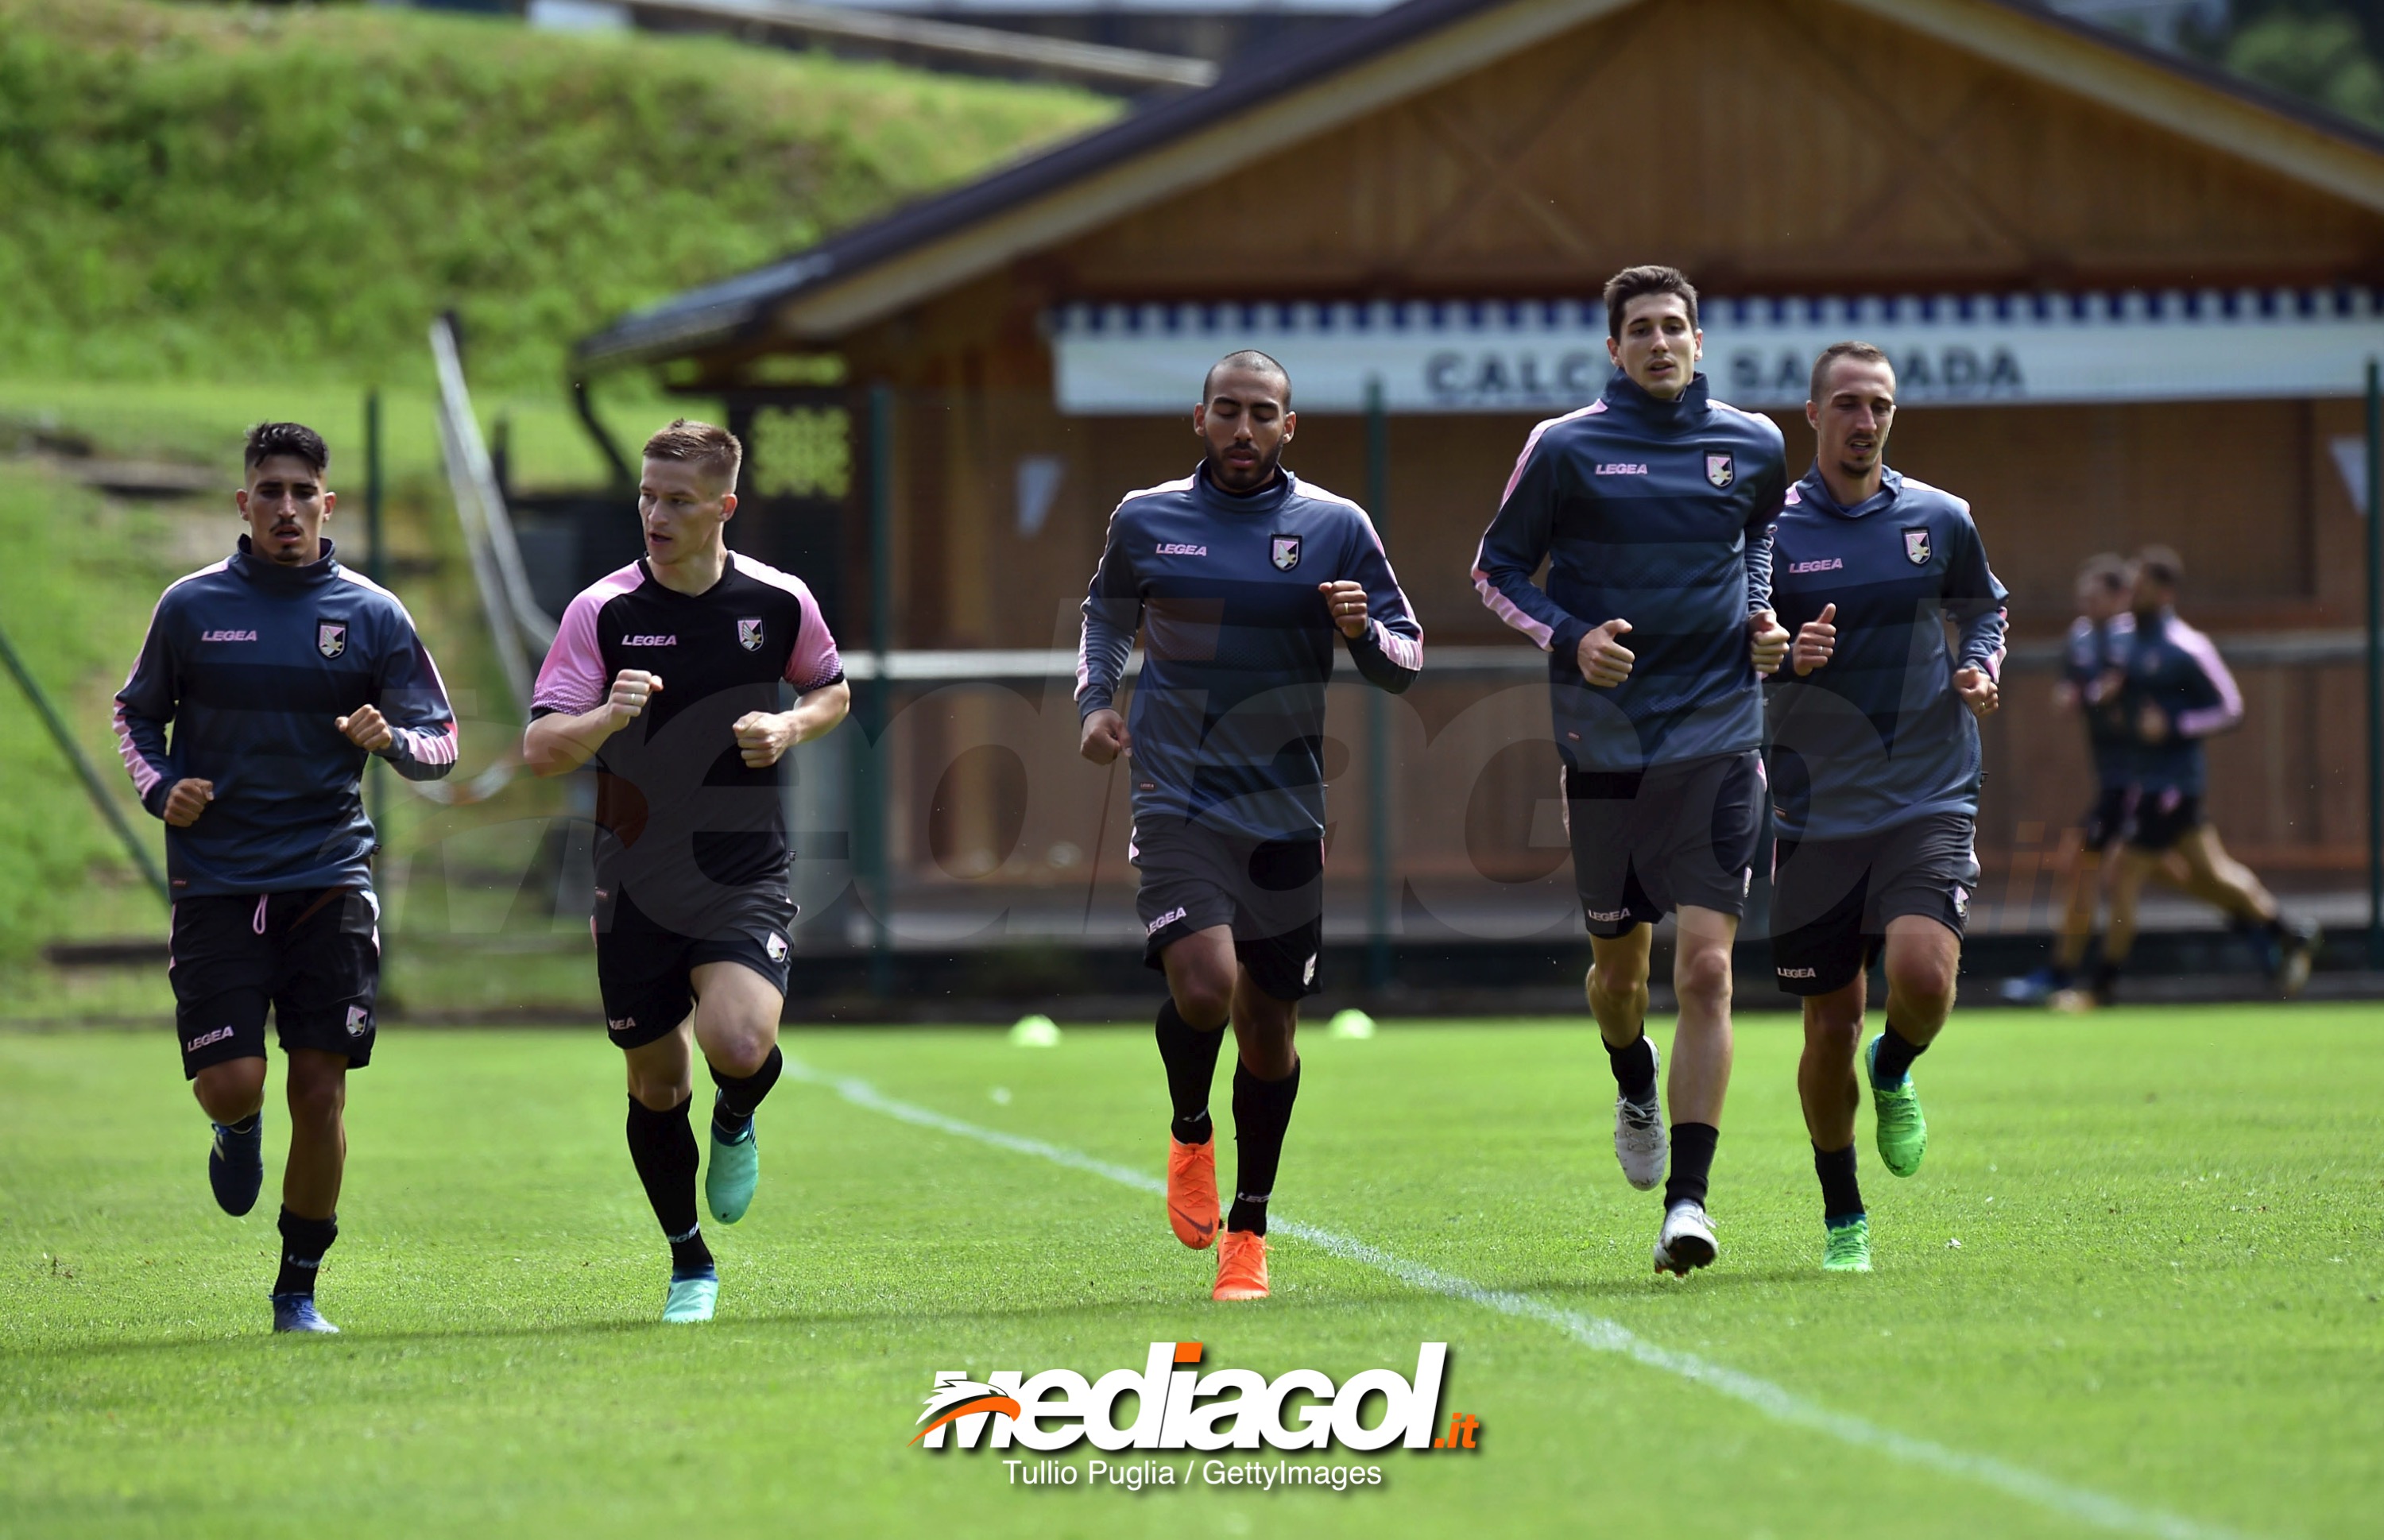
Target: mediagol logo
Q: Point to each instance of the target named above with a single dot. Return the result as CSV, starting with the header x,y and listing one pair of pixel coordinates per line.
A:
x,y
1180,1408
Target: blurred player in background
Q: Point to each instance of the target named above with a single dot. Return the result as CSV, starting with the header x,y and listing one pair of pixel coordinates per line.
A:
x,y
281,672
1875,770
1242,579
668,675
1652,506
2091,686
2176,694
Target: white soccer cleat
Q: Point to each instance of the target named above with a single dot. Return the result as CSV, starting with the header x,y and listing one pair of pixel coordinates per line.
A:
x,y
1640,1141
1686,1241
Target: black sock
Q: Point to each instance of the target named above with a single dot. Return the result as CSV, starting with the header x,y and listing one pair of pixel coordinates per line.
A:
x,y
1190,1056
304,1241
1635,1068
1894,1058
1262,1112
732,1114
246,1125
2106,977
1841,1194
662,1145
1693,1153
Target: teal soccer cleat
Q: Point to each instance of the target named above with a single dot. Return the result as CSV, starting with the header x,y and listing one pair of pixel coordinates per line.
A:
x,y
1903,1131
691,1300
729,1175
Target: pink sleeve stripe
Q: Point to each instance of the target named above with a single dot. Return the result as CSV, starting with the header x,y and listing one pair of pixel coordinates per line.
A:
x,y
1532,443
2229,711
572,678
145,775
1406,651
1543,637
429,745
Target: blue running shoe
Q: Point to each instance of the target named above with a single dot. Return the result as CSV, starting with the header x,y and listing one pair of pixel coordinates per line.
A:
x,y
2036,988
692,1298
236,1165
729,1175
295,1312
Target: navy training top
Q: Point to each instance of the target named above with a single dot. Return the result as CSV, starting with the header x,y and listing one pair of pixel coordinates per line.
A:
x,y
251,663
1876,736
2093,653
1228,716
2177,669
1656,513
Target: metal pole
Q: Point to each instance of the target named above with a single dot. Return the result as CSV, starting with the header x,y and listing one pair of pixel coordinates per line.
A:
x,y
376,567
83,770
2375,667
869,801
1379,957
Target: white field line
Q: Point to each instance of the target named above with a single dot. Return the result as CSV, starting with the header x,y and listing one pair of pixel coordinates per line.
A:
x,y
1599,1334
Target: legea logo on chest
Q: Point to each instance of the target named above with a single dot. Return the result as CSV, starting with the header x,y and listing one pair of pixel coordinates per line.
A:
x,y
649,638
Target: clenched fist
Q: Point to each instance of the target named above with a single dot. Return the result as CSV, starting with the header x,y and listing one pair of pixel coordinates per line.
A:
x,y
1816,640
187,800
365,730
1347,603
632,688
1767,643
1604,660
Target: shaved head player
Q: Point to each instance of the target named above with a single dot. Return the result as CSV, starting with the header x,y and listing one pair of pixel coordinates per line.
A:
x,y
1245,580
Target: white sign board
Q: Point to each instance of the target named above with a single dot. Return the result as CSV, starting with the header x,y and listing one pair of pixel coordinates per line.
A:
x,y
1537,356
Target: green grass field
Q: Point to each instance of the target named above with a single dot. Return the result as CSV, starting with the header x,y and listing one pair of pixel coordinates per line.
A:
x,y
2163,1317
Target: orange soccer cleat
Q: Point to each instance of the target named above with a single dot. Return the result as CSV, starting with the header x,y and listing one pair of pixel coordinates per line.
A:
x,y
1192,1192
1241,1267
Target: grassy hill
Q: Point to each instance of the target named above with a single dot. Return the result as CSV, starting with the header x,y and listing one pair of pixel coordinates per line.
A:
x,y
240,193
212,214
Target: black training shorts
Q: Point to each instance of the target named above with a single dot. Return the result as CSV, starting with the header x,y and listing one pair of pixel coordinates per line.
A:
x,y
1270,891
1831,899
2163,818
2107,821
1646,843
312,955
647,972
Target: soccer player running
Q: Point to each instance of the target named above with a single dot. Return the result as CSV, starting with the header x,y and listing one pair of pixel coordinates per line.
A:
x,y
668,675
1875,770
2178,692
1241,577
280,671
1652,506
2089,687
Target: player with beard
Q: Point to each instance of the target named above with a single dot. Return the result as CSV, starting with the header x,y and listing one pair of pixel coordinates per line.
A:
x,y
280,672
1241,577
1875,770
669,676
1652,506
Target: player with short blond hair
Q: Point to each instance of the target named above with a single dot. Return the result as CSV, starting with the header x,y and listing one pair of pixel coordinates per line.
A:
x,y
669,677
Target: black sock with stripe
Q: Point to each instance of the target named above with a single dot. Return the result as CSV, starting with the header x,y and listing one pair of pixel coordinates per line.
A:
x,y
662,1145
1261,1116
1190,1056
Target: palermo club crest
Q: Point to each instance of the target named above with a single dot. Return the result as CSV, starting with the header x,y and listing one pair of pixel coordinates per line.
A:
x,y
1720,469
1916,547
749,634
1285,551
331,638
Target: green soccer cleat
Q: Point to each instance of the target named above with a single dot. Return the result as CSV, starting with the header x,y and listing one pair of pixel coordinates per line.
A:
x,y
691,1300
1849,1246
729,1175
1903,1131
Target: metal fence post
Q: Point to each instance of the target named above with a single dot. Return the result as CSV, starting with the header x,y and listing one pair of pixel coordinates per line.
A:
x,y
869,799
2375,667
1380,959
376,567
